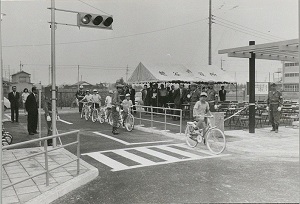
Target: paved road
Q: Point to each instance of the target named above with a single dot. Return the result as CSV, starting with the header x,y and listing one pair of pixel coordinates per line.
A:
x,y
139,167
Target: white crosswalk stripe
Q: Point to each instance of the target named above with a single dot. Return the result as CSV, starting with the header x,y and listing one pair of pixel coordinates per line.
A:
x,y
148,150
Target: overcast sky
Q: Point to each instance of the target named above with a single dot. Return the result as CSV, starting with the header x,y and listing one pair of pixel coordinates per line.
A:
x,y
156,31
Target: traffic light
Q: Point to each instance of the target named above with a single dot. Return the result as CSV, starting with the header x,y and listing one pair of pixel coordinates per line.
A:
x,y
94,20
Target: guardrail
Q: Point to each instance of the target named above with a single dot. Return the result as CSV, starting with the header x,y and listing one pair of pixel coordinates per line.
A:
x,y
164,113
46,151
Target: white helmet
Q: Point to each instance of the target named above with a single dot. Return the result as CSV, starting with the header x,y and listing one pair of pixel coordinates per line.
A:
x,y
95,90
81,87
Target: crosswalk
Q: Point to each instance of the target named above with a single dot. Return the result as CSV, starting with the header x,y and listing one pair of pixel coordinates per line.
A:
x,y
145,156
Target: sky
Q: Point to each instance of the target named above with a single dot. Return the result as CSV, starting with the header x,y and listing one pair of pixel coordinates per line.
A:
x,y
156,31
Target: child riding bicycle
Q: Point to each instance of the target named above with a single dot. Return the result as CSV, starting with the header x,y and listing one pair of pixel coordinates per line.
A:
x,y
201,109
127,104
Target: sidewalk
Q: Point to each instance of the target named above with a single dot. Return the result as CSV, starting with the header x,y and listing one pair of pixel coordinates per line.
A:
x,y
62,180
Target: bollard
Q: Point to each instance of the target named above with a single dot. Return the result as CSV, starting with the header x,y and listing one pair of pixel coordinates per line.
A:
x,y
151,117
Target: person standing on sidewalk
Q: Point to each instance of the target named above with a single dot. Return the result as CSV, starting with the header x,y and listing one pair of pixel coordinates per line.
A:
x,y
31,106
14,98
24,96
274,103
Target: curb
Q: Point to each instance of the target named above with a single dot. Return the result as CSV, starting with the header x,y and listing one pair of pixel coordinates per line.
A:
x,y
166,133
68,186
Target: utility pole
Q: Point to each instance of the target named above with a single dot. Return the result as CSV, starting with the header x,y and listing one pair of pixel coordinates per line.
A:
x,y
222,63
126,73
209,33
49,80
53,70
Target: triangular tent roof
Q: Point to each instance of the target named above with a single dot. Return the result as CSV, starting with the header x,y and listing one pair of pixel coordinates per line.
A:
x,y
178,73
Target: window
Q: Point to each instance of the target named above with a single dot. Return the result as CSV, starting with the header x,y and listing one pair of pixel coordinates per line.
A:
x,y
291,87
22,79
291,74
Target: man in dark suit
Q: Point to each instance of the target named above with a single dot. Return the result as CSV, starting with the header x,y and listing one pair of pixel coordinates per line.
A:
x,y
222,94
31,106
144,95
131,91
180,95
14,98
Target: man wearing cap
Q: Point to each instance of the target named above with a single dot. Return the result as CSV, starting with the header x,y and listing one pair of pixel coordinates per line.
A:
x,y
274,103
116,102
194,96
212,97
80,95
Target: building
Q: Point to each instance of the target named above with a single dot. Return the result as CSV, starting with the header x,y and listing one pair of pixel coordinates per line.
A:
x,y
290,79
21,80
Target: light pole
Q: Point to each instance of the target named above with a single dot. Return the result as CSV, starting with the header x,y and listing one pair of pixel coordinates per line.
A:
x,y
1,106
53,66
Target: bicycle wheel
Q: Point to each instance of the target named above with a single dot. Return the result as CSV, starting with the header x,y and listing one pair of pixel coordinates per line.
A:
x,y
129,123
101,116
94,115
190,139
215,141
82,114
87,114
110,119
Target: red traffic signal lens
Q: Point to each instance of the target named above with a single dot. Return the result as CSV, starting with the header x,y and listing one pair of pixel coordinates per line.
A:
x,y
86,19
108,21
98,20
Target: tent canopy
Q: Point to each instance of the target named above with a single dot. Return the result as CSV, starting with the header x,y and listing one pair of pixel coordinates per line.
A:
x,y
178,73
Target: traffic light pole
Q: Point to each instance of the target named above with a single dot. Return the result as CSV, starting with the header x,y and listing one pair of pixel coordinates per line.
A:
x,y
1,106
53,66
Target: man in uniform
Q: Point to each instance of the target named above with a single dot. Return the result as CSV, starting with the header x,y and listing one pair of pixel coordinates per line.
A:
x,y
212,97
116,102
80,95
274,103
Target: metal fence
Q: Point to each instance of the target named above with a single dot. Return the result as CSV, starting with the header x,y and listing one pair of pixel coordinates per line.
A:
x,y
45,152
165,112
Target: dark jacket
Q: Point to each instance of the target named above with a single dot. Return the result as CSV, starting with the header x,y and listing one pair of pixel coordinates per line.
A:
x,y
179,100
14,100
31,104
222,95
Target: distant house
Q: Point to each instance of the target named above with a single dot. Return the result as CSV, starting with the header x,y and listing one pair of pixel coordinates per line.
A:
x,y
85,85
21,80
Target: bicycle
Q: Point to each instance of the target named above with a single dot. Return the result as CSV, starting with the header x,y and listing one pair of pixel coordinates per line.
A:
x,y
213,137
84,108
102,114
88,111
95,114
128,123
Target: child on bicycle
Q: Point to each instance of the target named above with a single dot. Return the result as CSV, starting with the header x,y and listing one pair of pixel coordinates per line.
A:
x,y
96,99
127,104
87,98
201,109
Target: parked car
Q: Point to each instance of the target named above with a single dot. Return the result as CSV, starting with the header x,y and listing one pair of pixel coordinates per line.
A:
x,y
6,103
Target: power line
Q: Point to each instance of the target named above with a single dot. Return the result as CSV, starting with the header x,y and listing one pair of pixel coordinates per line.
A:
x,y
249,31
218,23
91,66
267,34
111,38
93,7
